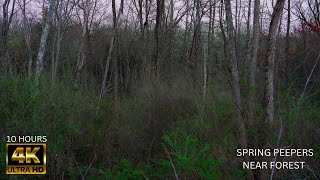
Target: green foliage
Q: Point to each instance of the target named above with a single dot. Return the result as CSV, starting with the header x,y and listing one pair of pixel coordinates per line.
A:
x,y
161,131
55,112
191,156
124,169
300,116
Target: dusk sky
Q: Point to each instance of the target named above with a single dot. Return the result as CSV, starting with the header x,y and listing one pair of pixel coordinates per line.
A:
x,y
104,8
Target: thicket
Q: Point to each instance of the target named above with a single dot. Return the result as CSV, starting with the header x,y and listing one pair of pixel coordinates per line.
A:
x,y
162,130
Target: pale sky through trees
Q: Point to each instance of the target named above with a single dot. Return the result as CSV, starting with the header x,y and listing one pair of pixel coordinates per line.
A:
x,y
34,11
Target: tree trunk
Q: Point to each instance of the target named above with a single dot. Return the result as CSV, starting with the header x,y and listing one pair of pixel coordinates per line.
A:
x,y
6,21
212,13
271,49
83,49
171,39
223,34
287,45
197,48
43,42
116,74
5,27
140,17
249,42
27,37
235,82
111,47
158,33
254,54
58,43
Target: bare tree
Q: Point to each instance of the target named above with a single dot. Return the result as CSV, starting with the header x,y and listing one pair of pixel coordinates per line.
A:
x,y
43,41
223,33
196,49
271,49
211,32
83,49
286,72
231,44
116,19
6,22
63,15
253,55
309,12
158,33
27,35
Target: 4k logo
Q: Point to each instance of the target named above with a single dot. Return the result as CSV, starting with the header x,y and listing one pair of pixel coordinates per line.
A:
x,y
26,158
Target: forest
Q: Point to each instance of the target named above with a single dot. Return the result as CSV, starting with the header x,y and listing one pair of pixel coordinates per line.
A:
x,y
163,89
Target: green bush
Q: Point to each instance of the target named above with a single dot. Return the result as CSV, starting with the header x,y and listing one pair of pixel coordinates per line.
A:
x,y
191,157
56,112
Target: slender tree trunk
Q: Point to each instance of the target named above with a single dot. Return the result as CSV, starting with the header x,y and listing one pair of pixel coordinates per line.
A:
x,y
223,34
197,48
271,49
249,19
30,60
6,22
171,38
249,40
212,38
205,65
287,44
235,83
5,26
43,42
211,28
186,35
27,37
158,34
111,47
254,54
83,50
116,73
58,43
53,52
269,68
140,17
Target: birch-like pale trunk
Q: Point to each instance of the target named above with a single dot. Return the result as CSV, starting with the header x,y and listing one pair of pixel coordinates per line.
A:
x,y
271,50
43,42
235,82
254,46
269,67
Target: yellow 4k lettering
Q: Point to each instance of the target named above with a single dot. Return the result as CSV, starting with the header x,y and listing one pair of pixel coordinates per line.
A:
x,y
18,155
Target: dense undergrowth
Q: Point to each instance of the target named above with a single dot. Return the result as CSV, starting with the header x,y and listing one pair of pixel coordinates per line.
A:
x,y
161,131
